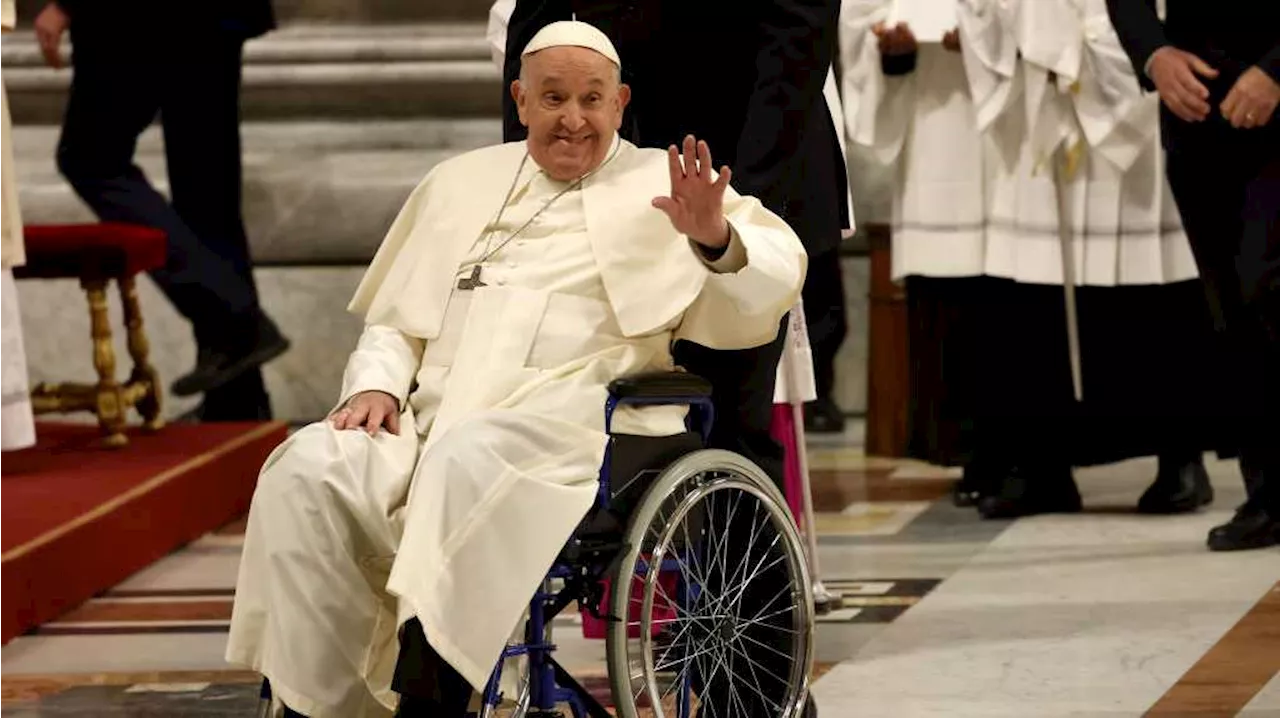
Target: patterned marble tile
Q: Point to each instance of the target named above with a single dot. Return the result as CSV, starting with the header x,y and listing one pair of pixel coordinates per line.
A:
x,y
1235,670
1266,704
860,518
1093,614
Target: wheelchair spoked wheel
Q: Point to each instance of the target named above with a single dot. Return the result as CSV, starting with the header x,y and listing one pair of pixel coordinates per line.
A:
x,y
714,596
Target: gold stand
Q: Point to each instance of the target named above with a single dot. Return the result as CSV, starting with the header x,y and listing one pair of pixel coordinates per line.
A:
x,y
108,399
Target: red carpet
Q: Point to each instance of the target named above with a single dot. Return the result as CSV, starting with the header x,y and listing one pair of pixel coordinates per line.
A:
x,y
78,519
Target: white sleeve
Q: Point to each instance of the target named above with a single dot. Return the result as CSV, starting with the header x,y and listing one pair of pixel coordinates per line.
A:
x,y
1118,119
871,103
990,55
385,360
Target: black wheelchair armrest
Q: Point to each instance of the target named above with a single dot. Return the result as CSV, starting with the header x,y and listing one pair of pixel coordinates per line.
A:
x,y
662,384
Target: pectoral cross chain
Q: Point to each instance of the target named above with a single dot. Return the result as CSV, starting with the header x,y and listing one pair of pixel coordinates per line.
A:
x,y
468,283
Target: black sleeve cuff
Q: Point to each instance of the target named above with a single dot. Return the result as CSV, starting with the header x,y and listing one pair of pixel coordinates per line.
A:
x,y
893,65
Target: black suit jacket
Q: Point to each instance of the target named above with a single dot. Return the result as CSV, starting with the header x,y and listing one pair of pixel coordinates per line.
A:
x,y
745,75
1230,35
240,18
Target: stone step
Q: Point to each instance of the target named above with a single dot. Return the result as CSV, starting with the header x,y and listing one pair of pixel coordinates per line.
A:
x,y
315,192
316,71
345,11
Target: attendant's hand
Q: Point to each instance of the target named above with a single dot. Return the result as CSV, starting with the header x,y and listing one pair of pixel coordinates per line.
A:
x,y
368,410
50,24
951,40
1252,100
696,204
1174,73
897,40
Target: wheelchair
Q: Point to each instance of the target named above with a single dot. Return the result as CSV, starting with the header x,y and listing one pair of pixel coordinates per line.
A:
x,y
692,559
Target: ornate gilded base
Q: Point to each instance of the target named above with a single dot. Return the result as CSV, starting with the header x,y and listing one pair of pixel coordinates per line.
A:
x,y
109,400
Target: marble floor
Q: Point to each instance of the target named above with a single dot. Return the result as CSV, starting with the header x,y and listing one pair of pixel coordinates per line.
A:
x,y
1100,614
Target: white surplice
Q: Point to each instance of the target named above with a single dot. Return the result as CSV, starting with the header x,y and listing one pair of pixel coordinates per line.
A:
x,y
923,125
457,521
973,136
1075,89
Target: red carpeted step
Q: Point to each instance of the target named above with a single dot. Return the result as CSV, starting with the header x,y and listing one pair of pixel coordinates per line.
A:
x,y
77,519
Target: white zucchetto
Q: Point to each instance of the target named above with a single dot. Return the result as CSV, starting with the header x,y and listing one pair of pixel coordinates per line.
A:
x,y
572,33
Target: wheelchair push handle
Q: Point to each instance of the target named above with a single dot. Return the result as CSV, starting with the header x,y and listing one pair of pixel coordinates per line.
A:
x,y
678,386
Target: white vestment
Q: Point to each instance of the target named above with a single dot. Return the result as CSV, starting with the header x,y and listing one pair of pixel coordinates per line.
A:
x,y
923,125
974,134
456,522
1074,91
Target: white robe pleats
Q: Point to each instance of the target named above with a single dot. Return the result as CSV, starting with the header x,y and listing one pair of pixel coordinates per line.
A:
x,y
974,136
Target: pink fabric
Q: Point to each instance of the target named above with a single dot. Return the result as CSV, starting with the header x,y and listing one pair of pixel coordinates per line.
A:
x,y
784,431
663,611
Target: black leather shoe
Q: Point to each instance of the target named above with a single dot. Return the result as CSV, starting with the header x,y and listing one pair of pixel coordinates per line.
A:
x,y
1026,492
822,416
1250,528
976,481
216,367
413,707
1177,489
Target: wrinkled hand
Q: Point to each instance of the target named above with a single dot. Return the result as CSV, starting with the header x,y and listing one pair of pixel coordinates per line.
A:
x,y
696,204
1174,73
896,40
368,410
951,40
1252,100
50,24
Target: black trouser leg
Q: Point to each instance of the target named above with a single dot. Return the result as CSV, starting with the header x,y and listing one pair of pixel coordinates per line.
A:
x,y
742,389
825,317
428,686
1230,207
116,92
200,111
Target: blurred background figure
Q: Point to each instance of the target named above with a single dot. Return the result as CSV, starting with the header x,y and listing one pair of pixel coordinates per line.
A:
x,y
1216,67
18,423
992,140
130,62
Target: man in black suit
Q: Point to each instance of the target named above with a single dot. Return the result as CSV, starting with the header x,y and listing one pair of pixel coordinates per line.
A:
x,y
132,61
1217,69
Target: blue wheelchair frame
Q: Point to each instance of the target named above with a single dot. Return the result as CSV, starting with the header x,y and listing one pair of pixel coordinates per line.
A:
x,y
549,683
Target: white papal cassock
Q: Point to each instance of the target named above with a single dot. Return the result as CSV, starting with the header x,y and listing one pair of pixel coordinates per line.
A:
x,y
974,137
456,520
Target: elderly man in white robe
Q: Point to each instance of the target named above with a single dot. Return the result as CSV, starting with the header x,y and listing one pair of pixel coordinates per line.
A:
x,y
517,282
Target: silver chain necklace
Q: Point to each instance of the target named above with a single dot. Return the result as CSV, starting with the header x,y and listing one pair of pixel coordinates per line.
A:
x,y
472,281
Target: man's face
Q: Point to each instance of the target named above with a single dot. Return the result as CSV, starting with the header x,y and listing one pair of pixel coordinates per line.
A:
x,y
572,103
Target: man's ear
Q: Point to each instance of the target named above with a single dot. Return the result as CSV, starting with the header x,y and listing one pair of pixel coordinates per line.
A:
x,y
518,94
624,98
